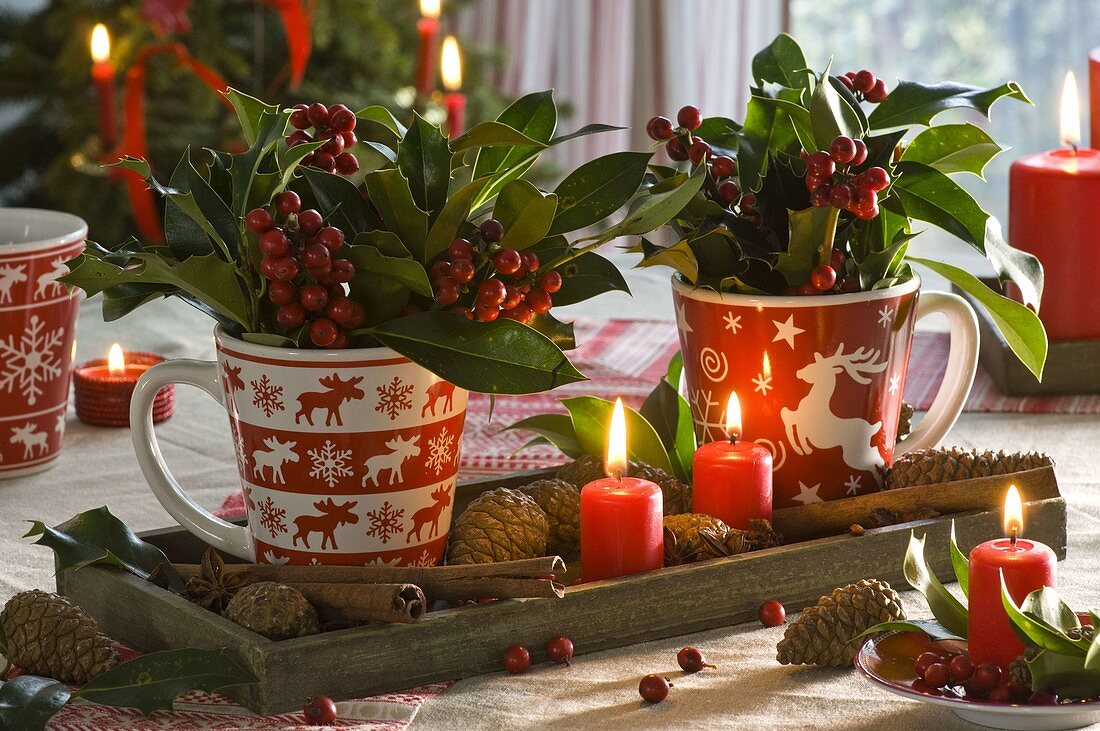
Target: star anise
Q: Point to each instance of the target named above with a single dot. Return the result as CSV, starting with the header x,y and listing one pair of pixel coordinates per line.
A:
x,y
677,553
215,587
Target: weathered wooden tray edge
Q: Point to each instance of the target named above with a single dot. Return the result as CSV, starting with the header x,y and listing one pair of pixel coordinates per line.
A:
x,y
466,641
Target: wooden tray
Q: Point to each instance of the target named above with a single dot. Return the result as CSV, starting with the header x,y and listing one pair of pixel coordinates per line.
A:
x,y
469,640
1072,367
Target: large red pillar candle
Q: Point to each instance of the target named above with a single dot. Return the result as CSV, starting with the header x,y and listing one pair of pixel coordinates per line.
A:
x,y
103,77
732,479
1094,97
428,28
621,517
1026,566
1053,197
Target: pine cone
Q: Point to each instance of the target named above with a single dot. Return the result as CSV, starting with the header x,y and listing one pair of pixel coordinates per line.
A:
x,y
585,469
582,470
686,527
823,634
49,635
500,525
935,466
276,611
734,541
561,502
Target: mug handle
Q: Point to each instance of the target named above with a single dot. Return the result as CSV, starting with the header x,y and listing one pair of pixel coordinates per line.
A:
x,y
232,539
962,362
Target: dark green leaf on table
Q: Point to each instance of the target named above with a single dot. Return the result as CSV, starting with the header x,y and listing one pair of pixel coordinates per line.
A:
x,y
948,610
425,160
525,212
597,189
592,418
914,103
28,702
670,416
953,148
930,627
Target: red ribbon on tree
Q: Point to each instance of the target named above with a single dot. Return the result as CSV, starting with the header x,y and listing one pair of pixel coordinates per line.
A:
x,y
299,39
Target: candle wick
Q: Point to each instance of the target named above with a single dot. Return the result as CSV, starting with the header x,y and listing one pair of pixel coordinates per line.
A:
x,y
1073,146
1012,539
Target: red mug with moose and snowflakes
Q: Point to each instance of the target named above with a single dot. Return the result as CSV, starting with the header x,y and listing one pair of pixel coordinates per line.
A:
x,y
820,379
345,456
37,326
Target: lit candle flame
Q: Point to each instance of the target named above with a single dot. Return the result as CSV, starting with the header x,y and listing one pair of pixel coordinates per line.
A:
x,y
451,64
101,43
733,417
430,8
615,465
1013,513
1071,113
116,361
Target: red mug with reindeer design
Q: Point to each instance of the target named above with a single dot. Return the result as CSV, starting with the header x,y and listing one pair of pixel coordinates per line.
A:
x,y
820,379
37,327
345,456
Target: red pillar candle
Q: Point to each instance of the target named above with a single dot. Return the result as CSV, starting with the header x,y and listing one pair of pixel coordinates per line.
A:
x,y
428,28
1052,200
455,100
621,517
1026,566
1094,97
732,479
103,76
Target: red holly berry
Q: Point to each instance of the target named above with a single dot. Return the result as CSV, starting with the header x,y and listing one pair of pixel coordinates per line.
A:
x,y
823,278
507,261
258,220
310,222
342,120
813,182
861,154
324,161
692,660
660,128
689,117
675,149
516,659
440,269
462,271
863,197
840,196
319,711
347,163
486,313
298,137
729,191
288,202
1042,698
491,292
539,301
340,309
772,614
836,260
334,145
876,178
530,261
323,332
550,281
936,675
281,293
748,200
807,289
491,231
291,316
559,650
866,214
820,164
849,285
842,150
521,313
654,688
286,268
512,297
923,661
274,242
461,249
821,196
299,118
358,316
961,668
349,141
343,271
314,297
318,115
316,256
987,676
341,340
877,93
846,81
864,81
267,267
331,238
698,151
446,291
722,166
1000,694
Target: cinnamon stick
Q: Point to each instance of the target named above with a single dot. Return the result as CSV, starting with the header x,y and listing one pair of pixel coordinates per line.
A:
x,y
527,578
404,603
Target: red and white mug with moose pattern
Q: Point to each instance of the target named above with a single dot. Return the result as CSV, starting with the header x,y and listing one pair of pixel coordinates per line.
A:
x,y
345,456
37,326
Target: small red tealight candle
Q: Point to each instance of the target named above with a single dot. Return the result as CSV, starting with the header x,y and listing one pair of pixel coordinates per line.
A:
x,y
102,388
1025,565
732,478
454,100
621,517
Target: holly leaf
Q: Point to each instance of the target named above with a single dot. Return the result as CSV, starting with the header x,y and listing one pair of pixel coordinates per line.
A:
x,y
658,209
1038,630
492,134
340,199
151,682
488,357
953,148
1014,265
597,189
831,115
450,219
587,276
405,270
425,160
781,62
555,429
525,212
245,167
933,629
535,117
98,537
960,563
28,702
948,610
393,199
250,111
929,195
807,231
182,234
592,418
380,115
680,257
914,103
1066,675
670,416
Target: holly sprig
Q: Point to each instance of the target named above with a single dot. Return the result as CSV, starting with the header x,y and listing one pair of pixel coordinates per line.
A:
x,y
831,171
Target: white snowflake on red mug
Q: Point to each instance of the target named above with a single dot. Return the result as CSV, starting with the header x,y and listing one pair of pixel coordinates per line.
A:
x,y
441,451
30,360
424,559
329,463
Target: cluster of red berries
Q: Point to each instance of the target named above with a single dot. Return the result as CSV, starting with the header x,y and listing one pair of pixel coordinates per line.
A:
x,y
335,125
305,277
864,84
831,184
517,658
941,668
512,288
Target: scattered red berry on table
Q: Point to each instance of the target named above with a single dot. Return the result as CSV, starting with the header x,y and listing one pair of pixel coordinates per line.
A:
x,y
823,278
654,688
772,614
692,660
559,650
689,117
320,711
517,659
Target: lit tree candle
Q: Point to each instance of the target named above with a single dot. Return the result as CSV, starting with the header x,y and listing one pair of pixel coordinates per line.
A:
x,y
103,76
428,28
455,100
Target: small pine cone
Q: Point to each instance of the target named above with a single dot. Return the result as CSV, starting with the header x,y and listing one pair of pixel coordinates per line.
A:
x,y
49,635
686,527
500,525
276,611
1018,669
561,502
585,469
935,466
582,470
823,634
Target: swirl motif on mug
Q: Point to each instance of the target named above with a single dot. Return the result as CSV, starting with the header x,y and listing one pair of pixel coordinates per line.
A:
x,y
714,364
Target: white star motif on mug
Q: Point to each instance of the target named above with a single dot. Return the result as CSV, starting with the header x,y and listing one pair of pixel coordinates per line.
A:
x,y
786,331
681,318
807,495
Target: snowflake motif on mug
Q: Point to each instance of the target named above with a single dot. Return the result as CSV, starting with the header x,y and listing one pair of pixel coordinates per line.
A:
x,y
393,398
441,451
379,561
762,384
266,396
424,559
272,517
28,363
885,316
330,463
386,522
733,322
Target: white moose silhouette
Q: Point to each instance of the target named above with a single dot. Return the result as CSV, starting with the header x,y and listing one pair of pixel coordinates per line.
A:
x,y
9,277
31,439
402,449
275,456
814,425
48,280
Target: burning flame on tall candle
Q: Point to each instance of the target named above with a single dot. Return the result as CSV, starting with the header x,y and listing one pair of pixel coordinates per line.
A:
x,y
451,64
615,465
430,8
733,417
1071,113
101,43
116,361
1013,513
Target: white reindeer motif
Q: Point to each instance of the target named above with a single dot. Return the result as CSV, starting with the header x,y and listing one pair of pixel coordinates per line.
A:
x,y
402,449
47,280
814,425
275,456
31,439
9,277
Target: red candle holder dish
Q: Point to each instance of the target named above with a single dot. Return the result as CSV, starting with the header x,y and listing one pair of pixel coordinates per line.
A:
x,y
103,398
